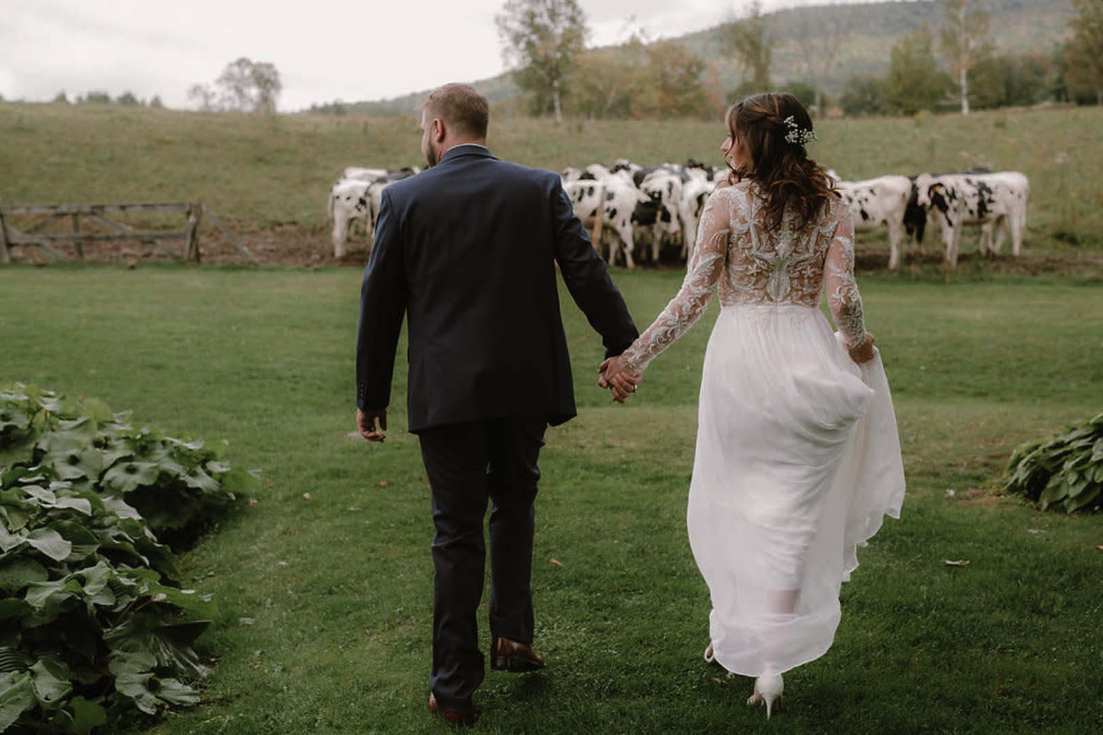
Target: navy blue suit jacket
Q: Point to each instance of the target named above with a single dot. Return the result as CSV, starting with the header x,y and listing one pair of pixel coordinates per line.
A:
x,y
466,250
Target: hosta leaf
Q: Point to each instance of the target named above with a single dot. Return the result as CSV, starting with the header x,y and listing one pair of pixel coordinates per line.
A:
x,y
39,495
119,507
50,543
169,644
16,697
239,482
12,418
1083,499
12,661
83,542
11,607
40,593
76,464
87,715
128,476
95,581
18,451
8,540
20,572
200,480
51,680
176,692
135,686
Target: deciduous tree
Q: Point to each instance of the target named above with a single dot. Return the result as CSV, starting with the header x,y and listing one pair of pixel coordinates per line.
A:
x,y
964,41
541,40
914,81
748,40
1084,52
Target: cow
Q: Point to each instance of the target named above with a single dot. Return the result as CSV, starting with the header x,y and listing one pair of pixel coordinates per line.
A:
x,y
359,198
695,194
664,187
915,216
993,201
614,199
348,202
363,174
876,202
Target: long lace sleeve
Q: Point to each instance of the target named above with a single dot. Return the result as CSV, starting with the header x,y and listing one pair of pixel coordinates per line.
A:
x,y
840,286
704,269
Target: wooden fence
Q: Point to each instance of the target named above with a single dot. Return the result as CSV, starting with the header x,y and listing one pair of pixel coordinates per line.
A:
x,y
52,213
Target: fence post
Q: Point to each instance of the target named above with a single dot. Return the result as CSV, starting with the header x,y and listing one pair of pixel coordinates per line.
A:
x,y
5,257
76,228
195,213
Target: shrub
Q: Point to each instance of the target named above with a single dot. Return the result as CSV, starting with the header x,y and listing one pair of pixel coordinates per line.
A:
x,y
1064,471
93,615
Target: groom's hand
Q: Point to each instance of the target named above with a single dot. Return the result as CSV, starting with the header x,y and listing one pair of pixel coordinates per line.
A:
x,y
618,379
365,422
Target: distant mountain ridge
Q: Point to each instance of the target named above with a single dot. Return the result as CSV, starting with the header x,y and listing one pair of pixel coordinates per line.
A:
x,y
871,29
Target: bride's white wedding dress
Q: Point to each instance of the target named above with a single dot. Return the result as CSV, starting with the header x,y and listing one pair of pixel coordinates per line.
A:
x,y
798,457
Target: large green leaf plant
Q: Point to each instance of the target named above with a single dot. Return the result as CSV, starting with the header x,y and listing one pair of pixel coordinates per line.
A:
x,y
1062,471
93,620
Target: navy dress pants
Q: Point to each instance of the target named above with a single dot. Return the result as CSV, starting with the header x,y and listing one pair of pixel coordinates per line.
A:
x,y
468,464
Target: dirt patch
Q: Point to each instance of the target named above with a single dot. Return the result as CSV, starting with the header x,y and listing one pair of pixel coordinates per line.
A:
x,y
292,244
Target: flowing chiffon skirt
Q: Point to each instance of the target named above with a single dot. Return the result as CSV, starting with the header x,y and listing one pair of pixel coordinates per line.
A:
x,y
797,463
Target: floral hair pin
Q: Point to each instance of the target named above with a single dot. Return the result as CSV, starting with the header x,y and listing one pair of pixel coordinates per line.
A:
x,y
796,134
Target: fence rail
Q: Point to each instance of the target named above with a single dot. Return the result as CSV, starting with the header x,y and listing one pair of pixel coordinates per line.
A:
x,y
51,213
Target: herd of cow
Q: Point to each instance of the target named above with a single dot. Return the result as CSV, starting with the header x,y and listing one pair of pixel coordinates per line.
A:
x,y
638,211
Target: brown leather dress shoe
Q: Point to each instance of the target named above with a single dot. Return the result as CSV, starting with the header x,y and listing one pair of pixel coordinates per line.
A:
x,y
507,655
452,717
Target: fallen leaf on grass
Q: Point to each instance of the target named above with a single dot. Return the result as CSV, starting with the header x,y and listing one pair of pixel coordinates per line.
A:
x,y
957,563
246,621
1099,548
719,681
383,483
557,562
253,501
1034,531
306,496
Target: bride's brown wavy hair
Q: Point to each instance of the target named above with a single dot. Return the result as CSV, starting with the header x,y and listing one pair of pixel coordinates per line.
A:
x,y
787,176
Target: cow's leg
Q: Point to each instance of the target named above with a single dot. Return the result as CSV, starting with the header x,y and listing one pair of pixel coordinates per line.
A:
x,y
984,245
895,235
624,230
340,235
954,246
1016,222
1002,223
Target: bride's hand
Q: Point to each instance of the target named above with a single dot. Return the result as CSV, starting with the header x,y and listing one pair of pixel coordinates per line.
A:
x,y
863,352
617,378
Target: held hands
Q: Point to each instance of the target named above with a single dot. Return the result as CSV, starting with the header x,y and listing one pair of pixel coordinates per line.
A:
x,y
365,422
619,379
863,352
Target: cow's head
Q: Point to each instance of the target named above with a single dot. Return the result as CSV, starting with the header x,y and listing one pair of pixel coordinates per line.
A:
x,y
926,187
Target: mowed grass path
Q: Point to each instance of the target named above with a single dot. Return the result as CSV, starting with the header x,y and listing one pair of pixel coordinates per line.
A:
x,y
338,586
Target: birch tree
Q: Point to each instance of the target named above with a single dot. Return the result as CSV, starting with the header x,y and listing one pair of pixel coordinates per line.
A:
x,y
542,39
964,40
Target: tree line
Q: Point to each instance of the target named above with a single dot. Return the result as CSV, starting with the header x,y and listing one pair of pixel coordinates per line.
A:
x,y
955,65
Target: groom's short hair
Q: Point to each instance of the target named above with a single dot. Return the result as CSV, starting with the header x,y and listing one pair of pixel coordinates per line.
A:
x,y
461,108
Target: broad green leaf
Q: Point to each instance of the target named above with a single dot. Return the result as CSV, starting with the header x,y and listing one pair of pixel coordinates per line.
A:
x,y
87,715
16,518
176,692
240,482
119,507
84,543
85,462
168,643
12,661
95,581
133,672
50,543
128,476
11,607
20,572
39,594
9,541
41,495
16,697
96,409
51,680
12,418
200,480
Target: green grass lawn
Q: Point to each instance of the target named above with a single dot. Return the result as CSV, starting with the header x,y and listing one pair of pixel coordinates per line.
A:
x,y
338,586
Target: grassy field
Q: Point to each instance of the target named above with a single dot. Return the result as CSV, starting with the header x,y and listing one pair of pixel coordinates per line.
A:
x,y
339,585
267,171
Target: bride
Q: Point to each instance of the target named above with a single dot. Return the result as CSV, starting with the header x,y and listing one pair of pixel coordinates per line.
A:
x,y
798,457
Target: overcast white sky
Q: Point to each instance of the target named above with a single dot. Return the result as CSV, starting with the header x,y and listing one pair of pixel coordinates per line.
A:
x,y
324,50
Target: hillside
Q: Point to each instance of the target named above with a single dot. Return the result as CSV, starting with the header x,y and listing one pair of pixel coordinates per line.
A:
x,y
870,30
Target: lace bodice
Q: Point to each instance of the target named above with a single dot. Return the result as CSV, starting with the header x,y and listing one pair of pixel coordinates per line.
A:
x,y
754,264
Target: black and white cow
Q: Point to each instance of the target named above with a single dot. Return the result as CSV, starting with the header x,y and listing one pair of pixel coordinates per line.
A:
x,y
348,202
877,202
695,193
359,198
614,199
663,186
993,201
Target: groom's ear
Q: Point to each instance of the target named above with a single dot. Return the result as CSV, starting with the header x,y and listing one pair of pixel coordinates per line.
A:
x,y
437,130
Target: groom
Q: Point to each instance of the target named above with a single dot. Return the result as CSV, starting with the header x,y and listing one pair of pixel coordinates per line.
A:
x,y
467,251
